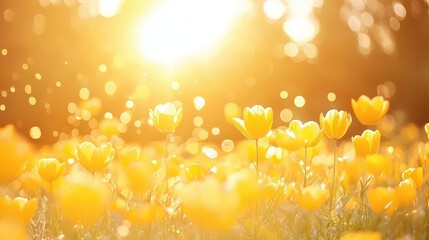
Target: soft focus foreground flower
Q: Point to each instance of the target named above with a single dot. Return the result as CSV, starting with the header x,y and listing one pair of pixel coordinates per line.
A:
x,y
312,197
145,213
308,134
50,168
377,164
336,123
13,231
283,140
14,153
256,122
416,174
381,199
82,200
18,209
405,193
109,127
361,235
367,143
208,204
370,111
427,129
95,159
166,117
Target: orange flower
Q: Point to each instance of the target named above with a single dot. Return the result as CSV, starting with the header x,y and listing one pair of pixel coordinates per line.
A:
x,y
50,168
18,209
370,111
405,193
361,235
367,143
312,197
416,174
166,117
307,135
95,159
14,154
256,122
335,124
381,200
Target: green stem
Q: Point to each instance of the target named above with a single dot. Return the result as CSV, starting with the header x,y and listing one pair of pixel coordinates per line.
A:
x,y
333,175
257,158
305,166
166,163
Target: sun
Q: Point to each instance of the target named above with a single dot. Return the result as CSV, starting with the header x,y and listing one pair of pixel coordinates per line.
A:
x,y
177,30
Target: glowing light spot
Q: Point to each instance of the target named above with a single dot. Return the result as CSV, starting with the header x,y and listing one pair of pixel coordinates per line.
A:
x,y
27,89
32,101
394,23
331,97
209,152
72,107
227,145
85,115
129,104
58,84
125,117
300,29
284,94
109,8
110,88
108,115
215,131
24,66
2,107
12,89
231,110
137,123
310,51
102,68
274,9
4,52
286,115
35,132
38,76
364,40
299,101
291,49
198,121
39,24
354,23
399,10
84,93
123,231
199,103
180,29
9,15
175,86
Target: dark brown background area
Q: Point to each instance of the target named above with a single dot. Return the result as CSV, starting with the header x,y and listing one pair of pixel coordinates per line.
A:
x,y
247,57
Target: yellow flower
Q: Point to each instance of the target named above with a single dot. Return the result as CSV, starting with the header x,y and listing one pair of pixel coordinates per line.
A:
x,y
14,154
370,111
308,134
84,201
427,129
50,168
256,122
18,209
145,213
312,197
416,174
95,159
109,127
335,124
166,117
13,230
285,141
405,193
381,200
377,164
209,204
367,143
361,235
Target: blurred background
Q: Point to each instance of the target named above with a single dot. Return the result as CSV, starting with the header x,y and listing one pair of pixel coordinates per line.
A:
x,y
78,67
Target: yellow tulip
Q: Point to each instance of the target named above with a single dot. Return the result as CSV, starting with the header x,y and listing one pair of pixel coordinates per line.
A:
x,y
18,209
13,230
312,197
335,124
95,159
308,134
361,235
377,164
84,202
14,154
256,122
416,174
285,141
405,193
50,168
381,200
367,143
370,111
166,117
